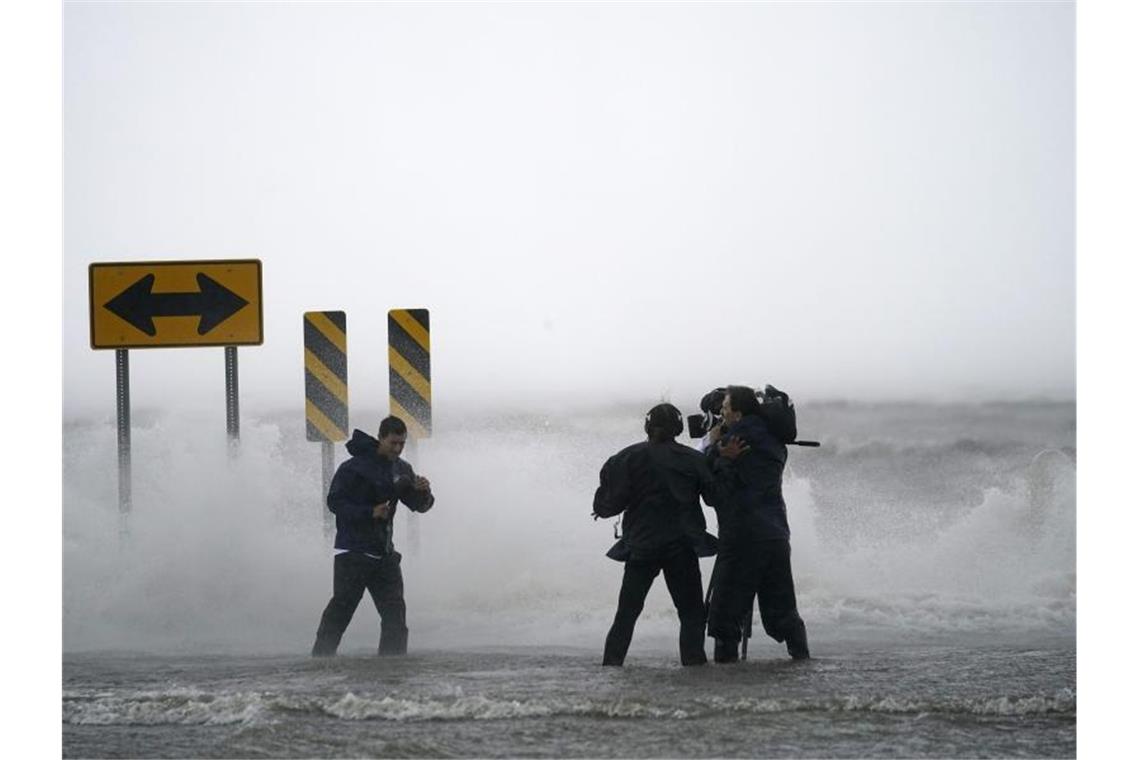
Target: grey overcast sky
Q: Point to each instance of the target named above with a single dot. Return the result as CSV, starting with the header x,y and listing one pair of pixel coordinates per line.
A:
x,y
596,201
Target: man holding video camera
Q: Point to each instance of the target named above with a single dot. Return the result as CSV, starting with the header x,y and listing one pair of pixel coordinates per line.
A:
x,y
658,484
748,451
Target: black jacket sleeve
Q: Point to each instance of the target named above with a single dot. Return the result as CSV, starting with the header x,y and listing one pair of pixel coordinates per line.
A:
x,y
418,501
415,500
614,492
725,472
346,499
711,489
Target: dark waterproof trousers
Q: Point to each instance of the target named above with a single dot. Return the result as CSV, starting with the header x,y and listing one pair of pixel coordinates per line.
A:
x,y
352,573
761,570
683,578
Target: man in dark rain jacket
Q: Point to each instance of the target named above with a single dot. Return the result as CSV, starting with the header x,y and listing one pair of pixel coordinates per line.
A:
x,y
754,555
657,484
363,496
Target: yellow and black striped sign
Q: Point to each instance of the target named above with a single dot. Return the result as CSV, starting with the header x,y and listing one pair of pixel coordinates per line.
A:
x,y
163,304
409,369
326,376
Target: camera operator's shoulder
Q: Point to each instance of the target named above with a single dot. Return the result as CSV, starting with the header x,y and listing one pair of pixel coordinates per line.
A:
x,y
682,450
630,450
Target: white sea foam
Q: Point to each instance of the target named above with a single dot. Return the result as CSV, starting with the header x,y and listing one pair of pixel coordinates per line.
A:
x,y
479,707
226,552
1062,702
167,707
191,707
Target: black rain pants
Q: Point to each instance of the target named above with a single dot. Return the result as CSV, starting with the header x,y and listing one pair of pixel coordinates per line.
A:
x,y
760,569
352,573
683,579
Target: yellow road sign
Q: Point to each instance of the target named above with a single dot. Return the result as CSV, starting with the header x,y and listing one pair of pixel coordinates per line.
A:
x,y
409,369
326,376
164,304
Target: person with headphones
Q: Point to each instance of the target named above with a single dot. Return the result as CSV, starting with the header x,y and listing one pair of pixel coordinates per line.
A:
x,y
658,484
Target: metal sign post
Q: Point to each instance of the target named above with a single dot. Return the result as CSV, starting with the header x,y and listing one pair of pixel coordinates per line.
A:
x,y
123,420
233,424
328,467
409,384
326,391
167,304
411,455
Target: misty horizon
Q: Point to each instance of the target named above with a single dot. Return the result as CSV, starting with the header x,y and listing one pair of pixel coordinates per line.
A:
x,y
597,204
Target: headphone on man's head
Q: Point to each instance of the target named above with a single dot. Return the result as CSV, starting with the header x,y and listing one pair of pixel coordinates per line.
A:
x,y
666,416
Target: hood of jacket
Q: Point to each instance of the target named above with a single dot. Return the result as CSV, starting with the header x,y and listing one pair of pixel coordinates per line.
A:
x,y
362,444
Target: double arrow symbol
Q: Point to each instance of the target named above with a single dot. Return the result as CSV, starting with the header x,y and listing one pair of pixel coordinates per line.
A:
x,y
214,303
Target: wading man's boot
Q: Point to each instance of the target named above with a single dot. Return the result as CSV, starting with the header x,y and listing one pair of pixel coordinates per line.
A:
x,y
797,642
725,651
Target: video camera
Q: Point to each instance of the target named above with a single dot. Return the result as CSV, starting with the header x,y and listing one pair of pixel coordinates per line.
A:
x,y
776,409
710,417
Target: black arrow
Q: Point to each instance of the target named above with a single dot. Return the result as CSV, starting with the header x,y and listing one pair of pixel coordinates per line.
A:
x,y
213,302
